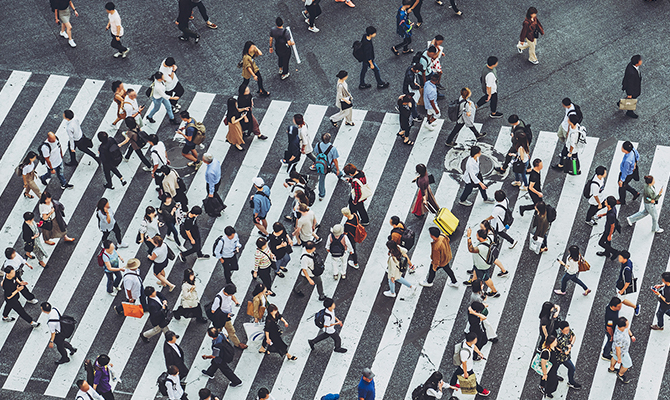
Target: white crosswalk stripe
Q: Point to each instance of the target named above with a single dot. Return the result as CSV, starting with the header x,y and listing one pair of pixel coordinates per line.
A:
x,y
376,134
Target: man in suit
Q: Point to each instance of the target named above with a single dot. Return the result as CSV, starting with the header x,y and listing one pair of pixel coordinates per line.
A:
x,y
173,353
632,81
157,307
222,353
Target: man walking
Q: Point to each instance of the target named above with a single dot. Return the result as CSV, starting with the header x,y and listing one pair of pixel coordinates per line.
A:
x,y
534,186
366,386
191,232
358,183
330,321
440,257
188,131
367,51
226,251
480,261
628,171
115,28
326,157
662,291
632,81
611,318
132,108
466,357
282,40
574,144
213,179
223,305
185,11
498,216
132,285
262,204
569,108
77,140
596,187
174,355
53,159
489,80
157,308
611,224
473,177
173,88
622,339
430,101
12,285
625,280
222,353
86,392
566,339
57,337
311,267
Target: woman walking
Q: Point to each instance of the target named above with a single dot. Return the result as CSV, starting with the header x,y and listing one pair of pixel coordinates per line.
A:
x,y
571,270
541,225
312,10
158,96
549,380
31,233
169,212
424,198
466,112
245,102
405,109
548,320
249,67
263,263
531,30
136,143
234,118
305,138
112,267
397,264
273,340
110,158
28,173
292,153
259,302
190,303
51,228
102,376
650,200
119,96
61,9
343,101
521,163
149,227
159,256
404,27
432,389
107,223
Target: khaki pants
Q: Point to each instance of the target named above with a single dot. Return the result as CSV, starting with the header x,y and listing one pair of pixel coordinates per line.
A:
x,y
156,330
231,333
530,45
562,134
32,185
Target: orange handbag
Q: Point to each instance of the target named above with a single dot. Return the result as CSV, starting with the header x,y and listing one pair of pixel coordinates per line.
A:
x,y
133,310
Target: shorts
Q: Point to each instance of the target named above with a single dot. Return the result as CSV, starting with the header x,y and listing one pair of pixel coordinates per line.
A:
x,y
483,274
188,146
261,218
431,111
158,267
626,361
64,15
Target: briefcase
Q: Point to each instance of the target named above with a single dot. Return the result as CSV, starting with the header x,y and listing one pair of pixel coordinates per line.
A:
x,y
628,104
133,310
446,221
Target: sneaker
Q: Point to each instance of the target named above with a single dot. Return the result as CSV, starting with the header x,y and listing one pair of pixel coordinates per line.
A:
x,y
516,183
313,29
605,358
534,62
117,55
452,284
637,310
319,240
557,291
575,385
123,245
299,294
524,188
613,370
496,115
44,181
112,293
62,361
350,4
66,186
493,340
623,378
660,230
153,121
495,295
383,85
204,372
628,221
481,135
560,378
352,264
389,293
518,48
204,256
340,350
8,319
502,274
365,86
465,203
451,144
311,344
484,392
35,324
426,284
181,248
125,53
72,43
304,14
64,34
181,257
591,222
33,301
468,282
312,167
211,25
489,201
656,327
286,75
511,246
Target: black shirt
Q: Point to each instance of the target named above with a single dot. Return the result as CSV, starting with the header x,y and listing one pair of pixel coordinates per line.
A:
x,y
611,317
166,212
275,241
611,220
9,286
367,50
665,292
281,37
535,178
191,226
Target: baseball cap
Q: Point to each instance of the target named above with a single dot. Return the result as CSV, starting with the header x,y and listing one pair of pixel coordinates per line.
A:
x,y
258,181
367,372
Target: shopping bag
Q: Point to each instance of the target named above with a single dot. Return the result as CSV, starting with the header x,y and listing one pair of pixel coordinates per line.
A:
x,y
570,166
536,364
132,310
468,386
254,332
535,243
628,104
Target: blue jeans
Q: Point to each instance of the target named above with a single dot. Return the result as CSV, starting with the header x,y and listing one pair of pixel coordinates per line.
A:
x,y
173,229
157,105
322,184
283,262
59,174
399,280
567,277
364,68
521,176
571,370
113,280
659,316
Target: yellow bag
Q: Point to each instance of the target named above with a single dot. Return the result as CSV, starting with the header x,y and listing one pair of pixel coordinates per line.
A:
x,y
468,386
628,104
446,221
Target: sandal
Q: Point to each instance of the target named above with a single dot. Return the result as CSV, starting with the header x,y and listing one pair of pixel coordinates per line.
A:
x,y
401,134
439,2
261,350
28,196
349,123
396,52
407,141
30,256
292,358
408,51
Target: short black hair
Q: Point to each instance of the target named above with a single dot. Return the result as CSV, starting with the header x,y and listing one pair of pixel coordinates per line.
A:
x,y
635,59
103,136
106,243
279,21
491,61
513,119
154,139
229,230
621,322
149,290
28,215
499,195
169,335
169,61
204,393
434,231
45,306
573,118
370,30
536,162
327,302
185,115
666,276
309,245
80,383
278,227
196,210
439,37
482,233
263,392
68,114
566,101
563,324
600,170
110,6
9,251
230,289
611,201
130,122
614,301
474,150
432,49
627,145
260,242
213,332
395,220
625,254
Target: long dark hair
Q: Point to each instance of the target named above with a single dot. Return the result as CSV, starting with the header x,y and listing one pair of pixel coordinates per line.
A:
x,y
531,11
26,160
574,252
232,109
394,249
45,195
546,309
150,210
187,276
101,204
434,379
247,46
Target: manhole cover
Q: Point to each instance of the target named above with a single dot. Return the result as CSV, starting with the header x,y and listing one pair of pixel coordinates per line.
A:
x,y
454,161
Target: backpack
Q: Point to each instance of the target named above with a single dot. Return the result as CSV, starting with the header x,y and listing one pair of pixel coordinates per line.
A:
x,y
494,251
226,351
357,51
454,110
115,155
320,318
456,359
216,243
101,262
587,189
318,263
578,112
199,135
311,195
508,219
336,246
419,392
208,308
162,383
402,264
581,139
551,213
525,129
407,237
40,156
67,324
322,165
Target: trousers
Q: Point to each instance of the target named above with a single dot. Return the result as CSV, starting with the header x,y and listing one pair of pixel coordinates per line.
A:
x,y
283,58
117,44
231,333
217,363
625,187
571,277
117,233
493,101
78,144
457,129
156,330
607,245
446,268
649,209
359,208
303,282
246,81
13,304
660,313
323,336
108,169
195,248
62,345
59,173
468,189
364,69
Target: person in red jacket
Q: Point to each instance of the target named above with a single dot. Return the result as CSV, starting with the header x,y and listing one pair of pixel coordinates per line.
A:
x,y
532,29
358,193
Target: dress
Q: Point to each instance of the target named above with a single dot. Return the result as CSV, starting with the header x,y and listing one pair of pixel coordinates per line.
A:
x,y
118,99
38,250
418,208
234,136
55,232
242,102
272,328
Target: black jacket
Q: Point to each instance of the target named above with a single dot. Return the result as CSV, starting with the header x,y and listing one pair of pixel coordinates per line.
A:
x,y
409,83
172,358
632,81
367,50
157,316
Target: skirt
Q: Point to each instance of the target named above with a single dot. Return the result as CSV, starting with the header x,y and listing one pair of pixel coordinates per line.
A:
x,y
64,15
54,233
418,208
234,136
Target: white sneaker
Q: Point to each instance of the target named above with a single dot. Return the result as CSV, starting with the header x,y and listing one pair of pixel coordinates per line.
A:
x,y
147,169
113,294
170,238
72,43
352,264
313,29
452,284
125,53
489,201
181,248
123,245
628,220
33,301
511,246
660,230
534,62
518,48
426,284
117,55
465,203
388,293
64,34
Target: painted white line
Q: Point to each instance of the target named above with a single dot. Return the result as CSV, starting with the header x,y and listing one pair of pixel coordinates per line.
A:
x,y
603,382
11,90
545,276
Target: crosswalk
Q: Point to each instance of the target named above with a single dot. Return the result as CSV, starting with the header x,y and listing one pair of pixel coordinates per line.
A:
x,y
402,339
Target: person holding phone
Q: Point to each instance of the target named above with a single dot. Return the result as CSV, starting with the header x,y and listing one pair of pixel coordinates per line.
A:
x,y
650,200
662,291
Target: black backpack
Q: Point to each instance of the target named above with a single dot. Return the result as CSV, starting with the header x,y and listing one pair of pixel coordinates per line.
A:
x,y
587,189
336,246
508,219
226,351
320,318
407,237
114,151
402,264
318,263
216,243
525,129
551,213
578,112
454,110
357,51
162,383
311,195
67,324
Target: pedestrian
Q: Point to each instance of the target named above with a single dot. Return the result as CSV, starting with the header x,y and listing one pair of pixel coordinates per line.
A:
x,y
259,302
367,51
245,103
541,224
632,82
468,348
397,264
343,101
53,160
250,69
611,225
110,158
430,100
466,117
473,177
159,256
32,244
15,260
493,237
203,13
12,285
477,313
160,97
213,178
548,321
452,5
416,9
312,10
596,187
311,267
169,211
222,353
191,232
57,337
628,171
119,97
520,135
262,203
549,380
226,252
611,318
282,40
480,261
574,144
432,388
102,376
479,296
149,227
264,262
350,228
157,308
292,154
172,184
330,321
159,158
425,200
264,394
563,128
132,285
137,142
531,30
625,281
534,186
339,247
406,107
175,391
107,223
489,80
233,119
521,164
366,386
566,339
413,87
86,392
305,138
306,226
662,291
174,355
115,28
440,258
326,161
620,355
189,131
77,140
132,109
173,87
190,303
572,270
281,246
273,342
53,225
404,27
28,174
185,12
360,191
430,64
650,200
112,267
498,216
223,305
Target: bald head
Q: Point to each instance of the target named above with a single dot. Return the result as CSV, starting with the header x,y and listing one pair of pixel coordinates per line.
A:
x,y
51,137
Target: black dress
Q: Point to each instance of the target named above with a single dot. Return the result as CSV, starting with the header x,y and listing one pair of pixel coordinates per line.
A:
x,y
242,102
272,328
551,383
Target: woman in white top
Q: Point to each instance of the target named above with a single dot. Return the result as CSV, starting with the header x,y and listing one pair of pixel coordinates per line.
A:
x,y
50,227
190,301
28,172
305,138
397,256
433,386
467,110
149,227
342,101
159,97
571,271
159,256
107,223
522,155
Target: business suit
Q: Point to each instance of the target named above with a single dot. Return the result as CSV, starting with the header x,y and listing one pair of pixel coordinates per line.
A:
x,y
172,358
632,84
157,316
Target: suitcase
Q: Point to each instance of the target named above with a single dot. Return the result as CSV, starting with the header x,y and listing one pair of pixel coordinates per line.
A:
x,y
446,221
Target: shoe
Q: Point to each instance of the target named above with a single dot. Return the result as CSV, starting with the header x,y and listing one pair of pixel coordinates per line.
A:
x,y
211,25
606,358
62,361
490,201
299,294
452,284
484,392
236,384
383,85
365,86
181,248
204,372
518,48
74,350
304,14
181,257
660,230
560,378
146,169
153,121
637,310
502,274
493,340
388,293
66,186
623,378
495,295
549,395
123,183
586,292
35,324
426,284
500,170
117,55
631,114
44,181
280,274
312,167
64,34
344,276
322,298
450,144
465,203
33,301
575,385
496,115
352,264
516,183
340,350
313,29
242,346
350,4
481,135
511,246
557,167
311,344
125,53
601,254
8,319
333,123
613,370
468,282
204,256
319,240
656,327
558,291
197,39
534,62
183,38
591,222
636,195
113,294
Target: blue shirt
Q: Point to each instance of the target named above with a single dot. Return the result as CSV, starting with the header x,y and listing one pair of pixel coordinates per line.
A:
x,y
628,164
213,174
332,154
189,131
429,93
261,203
366,390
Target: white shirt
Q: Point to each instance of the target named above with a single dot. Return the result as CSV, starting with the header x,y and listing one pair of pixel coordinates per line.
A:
x,y
73,129
572,266
467,355
54,326
149,229
88,395
305,139
54,153
45,209
596,188
565,125
492,82
174,389
226,247
498,215
226,303
573,140
307,263
15,262
161,253
471,171
329,320
132,282
434,393
158,154
115,23
130,106
170,81
29,168
160,88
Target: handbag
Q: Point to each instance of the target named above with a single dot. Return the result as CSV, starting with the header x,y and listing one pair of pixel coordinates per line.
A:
x,y
469,385
29,246
583,264
170,254
518,166
535,243
132,310
47,225
366,192
138,238
345,106
250,309
431,179
536,364
536,33
628,104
